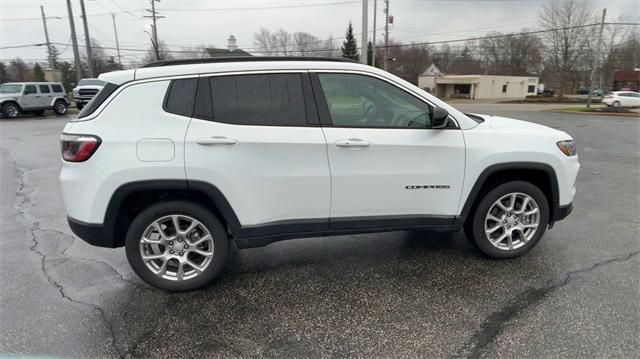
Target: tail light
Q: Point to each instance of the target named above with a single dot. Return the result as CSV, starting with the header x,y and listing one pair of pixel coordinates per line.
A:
x,y
78,148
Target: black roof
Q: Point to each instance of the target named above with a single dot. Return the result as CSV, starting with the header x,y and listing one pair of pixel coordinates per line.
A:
x,y
244,59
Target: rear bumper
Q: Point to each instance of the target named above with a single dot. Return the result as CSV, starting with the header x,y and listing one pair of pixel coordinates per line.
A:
x,y
95,234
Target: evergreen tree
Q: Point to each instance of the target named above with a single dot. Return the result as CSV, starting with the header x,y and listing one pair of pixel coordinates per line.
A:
x,y
3,73
370,54
38,74
349,46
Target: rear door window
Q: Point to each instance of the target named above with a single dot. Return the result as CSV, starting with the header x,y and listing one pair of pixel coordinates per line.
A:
x,y
56,88
259,100
44,88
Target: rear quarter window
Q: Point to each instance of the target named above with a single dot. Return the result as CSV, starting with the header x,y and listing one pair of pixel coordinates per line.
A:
x,y
97,100
180,97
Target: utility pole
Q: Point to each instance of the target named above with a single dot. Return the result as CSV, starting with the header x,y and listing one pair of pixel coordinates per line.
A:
x,y
46,36
154,35
595,59
364,49
74,42
87,39
373,40
386,35
115,31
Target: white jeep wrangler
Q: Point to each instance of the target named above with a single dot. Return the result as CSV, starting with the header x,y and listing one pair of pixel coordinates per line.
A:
x,y
177,159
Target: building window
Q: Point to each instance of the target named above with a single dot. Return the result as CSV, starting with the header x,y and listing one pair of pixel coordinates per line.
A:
x,y
504,88
531,89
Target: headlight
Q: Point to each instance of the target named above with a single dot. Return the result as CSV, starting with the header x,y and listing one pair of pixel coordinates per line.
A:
x,y
568,148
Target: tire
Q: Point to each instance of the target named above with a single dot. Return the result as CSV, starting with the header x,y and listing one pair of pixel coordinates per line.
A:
x,y
79,106
173,251
513,222
60,107
616,104
38,113
11,110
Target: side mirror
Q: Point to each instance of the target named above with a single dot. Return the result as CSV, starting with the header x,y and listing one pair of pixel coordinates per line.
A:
x,y
439,118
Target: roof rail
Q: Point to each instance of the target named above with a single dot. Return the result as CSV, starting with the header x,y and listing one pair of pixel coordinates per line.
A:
x,y
207,60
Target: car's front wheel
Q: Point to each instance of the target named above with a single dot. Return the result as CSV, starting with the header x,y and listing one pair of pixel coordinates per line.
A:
x,y
11,110
616,104
79,105
509,220
176,246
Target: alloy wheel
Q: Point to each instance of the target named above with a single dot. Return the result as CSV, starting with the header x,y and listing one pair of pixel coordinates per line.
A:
x,y
177,247
512,221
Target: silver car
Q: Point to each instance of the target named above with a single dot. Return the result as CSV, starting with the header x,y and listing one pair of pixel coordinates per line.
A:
x,y
86,89
32,97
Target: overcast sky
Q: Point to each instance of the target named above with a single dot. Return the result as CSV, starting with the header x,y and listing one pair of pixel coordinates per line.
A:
x,y
193,22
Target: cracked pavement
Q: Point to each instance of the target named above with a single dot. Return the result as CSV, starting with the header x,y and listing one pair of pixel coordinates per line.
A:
x,y
401,294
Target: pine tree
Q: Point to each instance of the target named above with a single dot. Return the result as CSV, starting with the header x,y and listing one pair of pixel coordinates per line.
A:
x,y
370,54
38,74
349,47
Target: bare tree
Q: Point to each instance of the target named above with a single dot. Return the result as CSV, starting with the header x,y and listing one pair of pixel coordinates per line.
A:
x,y
515,55
262,41
163,52
567,47
306,44
18,71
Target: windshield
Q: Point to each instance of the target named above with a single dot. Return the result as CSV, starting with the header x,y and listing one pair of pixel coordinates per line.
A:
x,y
91,82
10,88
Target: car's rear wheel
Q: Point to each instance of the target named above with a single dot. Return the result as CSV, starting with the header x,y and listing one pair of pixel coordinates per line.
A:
x,y
11,110
60,108
509,220
176,246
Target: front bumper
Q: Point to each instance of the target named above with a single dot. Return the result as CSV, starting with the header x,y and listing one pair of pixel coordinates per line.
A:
x,y
560,213
98,235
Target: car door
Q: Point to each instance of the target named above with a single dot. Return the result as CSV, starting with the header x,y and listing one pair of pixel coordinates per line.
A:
x,y
30,97
386,162
257,139
45,96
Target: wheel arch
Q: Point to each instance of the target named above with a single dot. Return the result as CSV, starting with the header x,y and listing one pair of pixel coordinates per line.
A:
x,y
58,98
12,101
131,198
539,174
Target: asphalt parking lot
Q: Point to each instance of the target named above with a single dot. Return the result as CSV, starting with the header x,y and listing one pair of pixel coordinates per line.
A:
x,y
398,294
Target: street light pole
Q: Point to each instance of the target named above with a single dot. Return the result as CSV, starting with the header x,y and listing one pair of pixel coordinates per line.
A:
x,y
595,59
373,40
46,35
364,49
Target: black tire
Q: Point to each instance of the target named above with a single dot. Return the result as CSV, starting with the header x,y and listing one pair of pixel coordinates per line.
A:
x,y
616,104
158,210
60,107
79,106
11,110
38,113
474,228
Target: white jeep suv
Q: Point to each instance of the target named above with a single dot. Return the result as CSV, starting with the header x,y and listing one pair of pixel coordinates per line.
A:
x,y
177,159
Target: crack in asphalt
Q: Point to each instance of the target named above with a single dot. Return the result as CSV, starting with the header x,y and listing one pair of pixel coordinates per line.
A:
x,y
494,324
34,229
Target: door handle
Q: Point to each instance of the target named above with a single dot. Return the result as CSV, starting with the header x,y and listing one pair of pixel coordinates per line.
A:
x,y
216,140
353,142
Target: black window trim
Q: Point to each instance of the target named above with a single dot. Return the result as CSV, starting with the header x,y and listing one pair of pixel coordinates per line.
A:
x,y
325,115
311,111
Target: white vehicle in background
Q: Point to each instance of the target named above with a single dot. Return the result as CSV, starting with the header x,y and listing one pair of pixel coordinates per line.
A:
x,y
85,90
622,99
176,160
32,97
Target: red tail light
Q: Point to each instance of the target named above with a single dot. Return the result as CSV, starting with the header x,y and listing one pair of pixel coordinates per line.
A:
x,y
78,148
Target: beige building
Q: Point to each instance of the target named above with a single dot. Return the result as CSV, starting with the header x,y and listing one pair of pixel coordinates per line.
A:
x,y
478,86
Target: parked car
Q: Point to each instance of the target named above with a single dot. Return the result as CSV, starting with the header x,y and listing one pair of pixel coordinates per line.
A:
x,y
598,92
176,162
622,99
32,97
583,91
85,91
548,91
